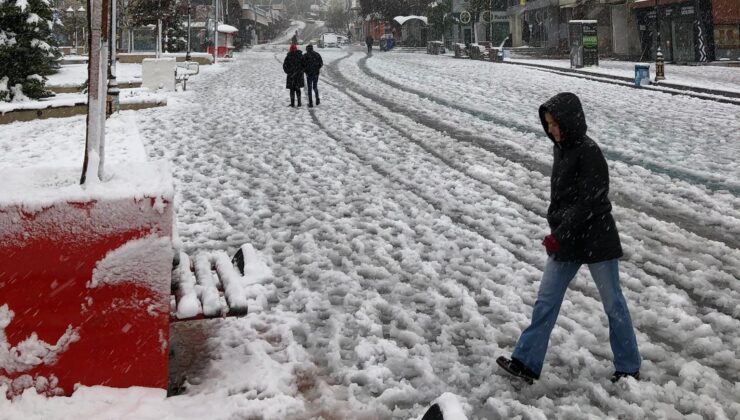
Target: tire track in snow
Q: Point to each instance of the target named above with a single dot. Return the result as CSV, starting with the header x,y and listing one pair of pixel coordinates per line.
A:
x,y
701,301
610,154
682,218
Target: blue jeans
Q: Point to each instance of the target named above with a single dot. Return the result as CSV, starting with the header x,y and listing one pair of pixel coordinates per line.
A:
x,y
312,81
532,344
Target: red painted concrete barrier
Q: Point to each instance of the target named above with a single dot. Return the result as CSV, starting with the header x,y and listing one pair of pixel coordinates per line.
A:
x,y
84,289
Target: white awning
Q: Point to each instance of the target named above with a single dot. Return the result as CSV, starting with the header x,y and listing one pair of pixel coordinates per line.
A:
x,y
568,3
403,19
227,29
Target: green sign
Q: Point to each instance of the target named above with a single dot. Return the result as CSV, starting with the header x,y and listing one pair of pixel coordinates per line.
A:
x,y
590,43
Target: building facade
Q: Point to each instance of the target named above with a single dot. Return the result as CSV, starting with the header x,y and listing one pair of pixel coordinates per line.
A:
x,y
685,30
726,29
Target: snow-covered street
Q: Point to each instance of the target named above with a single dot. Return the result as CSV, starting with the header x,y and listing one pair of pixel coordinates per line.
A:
x,y
403,219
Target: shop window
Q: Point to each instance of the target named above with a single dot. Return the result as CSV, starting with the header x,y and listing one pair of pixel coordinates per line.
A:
x,y
727,37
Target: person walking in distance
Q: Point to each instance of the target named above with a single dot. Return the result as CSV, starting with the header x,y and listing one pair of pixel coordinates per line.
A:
x,y
312,64
293,68
369,43
583,231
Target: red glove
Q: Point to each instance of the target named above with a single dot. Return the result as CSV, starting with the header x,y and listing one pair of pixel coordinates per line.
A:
x,y
551,244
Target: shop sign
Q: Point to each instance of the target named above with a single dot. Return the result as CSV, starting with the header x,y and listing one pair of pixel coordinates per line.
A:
x,y
590,45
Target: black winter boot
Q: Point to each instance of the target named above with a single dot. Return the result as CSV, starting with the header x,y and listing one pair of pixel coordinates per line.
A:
x,y
292,98
517,368
619,375
318,101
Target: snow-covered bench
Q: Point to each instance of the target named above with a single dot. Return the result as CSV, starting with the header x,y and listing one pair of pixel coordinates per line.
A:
x,y
212,285
184,70
460,50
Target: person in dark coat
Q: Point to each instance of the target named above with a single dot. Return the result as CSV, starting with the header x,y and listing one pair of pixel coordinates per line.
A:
x,y
582,231
369,43
293,68
525,32
312,64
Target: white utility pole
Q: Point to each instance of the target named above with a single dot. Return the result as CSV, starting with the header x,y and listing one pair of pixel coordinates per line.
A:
x,y
92,167
215,35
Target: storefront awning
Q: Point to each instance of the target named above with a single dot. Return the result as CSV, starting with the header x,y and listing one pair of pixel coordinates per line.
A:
x,y
567,4
539,4
642,4
227,29
403,19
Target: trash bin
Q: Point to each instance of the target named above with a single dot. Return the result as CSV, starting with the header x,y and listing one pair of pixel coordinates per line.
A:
x,y
642,72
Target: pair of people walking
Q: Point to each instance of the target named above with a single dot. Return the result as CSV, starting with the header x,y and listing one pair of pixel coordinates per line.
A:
x,y
295,65
583,231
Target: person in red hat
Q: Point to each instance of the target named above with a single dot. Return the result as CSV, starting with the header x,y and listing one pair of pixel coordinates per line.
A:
x,y
293,68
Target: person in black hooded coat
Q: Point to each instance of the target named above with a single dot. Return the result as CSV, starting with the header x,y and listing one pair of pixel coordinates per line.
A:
x,y
293,68
583,231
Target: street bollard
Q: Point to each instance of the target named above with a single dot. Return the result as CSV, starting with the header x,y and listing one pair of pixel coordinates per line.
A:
x,y
659,65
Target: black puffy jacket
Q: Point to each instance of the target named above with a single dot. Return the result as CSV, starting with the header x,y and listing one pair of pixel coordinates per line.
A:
x,y
580,211
293,68
312,61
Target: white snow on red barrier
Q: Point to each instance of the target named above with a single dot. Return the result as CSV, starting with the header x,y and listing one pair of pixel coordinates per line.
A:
x,y
138,261
37,188
30,352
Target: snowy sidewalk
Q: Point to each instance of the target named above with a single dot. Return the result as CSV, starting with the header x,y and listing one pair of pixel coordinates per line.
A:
x,y
712,80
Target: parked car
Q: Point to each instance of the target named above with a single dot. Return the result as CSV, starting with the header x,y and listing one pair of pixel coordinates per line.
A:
x,y
329,40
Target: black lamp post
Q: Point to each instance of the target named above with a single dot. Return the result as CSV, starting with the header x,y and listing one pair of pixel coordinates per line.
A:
x,y
72,13
112,99
187,55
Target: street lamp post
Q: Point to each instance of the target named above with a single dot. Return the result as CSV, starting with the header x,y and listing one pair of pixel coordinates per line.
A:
x,y
187,55
73,14
81,11
113,91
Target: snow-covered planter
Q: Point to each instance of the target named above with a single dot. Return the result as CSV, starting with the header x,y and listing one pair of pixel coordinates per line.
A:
x,y
85,278
158,73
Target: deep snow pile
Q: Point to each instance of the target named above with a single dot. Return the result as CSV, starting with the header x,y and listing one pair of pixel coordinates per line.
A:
x,y
403,230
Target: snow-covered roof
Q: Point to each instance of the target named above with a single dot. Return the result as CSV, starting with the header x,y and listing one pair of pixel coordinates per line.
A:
x,y
222,27
403,19
227,29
